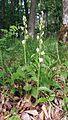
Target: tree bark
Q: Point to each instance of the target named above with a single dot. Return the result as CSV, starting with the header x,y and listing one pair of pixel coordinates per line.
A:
x,y
12,6
63,33
3,9
31,22
12,12
65,12
26,8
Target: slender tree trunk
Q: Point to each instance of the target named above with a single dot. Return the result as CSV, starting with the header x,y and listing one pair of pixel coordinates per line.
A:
x,y
65,12
64,29
31,22
12,12
26,8
12,6
3,14
3,9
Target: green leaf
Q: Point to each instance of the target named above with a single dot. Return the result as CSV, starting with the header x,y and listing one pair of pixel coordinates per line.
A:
x,y
25,67
13,91
45,89
34,92
34,78
42,100
13,28
55,84
1,82
64,74
15,117
19,73
27,87
48,61
66,99
10,49
66,63
1,74
51,97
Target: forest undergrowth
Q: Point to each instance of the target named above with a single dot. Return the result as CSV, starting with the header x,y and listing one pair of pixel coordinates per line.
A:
x,y
33,79
33,76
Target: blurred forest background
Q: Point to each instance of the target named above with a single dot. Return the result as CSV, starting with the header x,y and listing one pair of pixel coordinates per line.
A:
x,y
12,11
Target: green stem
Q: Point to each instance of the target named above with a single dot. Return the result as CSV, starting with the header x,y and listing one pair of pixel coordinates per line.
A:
x,y
38,79
12,79
39,68
25,52
58,52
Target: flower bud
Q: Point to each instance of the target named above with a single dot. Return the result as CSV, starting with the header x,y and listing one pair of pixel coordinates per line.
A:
x,y
42,53
42,34
26,37
37,49
26,31
22,28
23,42
41,19
41,41
24,18
40,60
37,37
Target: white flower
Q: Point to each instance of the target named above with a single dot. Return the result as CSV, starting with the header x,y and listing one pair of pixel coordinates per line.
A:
x,y
40,28
38,5
22,28
26,31
16,34
24,18
42,53
37,36
40,60
26,37
42,12
43,26
41,41
26,25
37,49
23,42
42,34
41,19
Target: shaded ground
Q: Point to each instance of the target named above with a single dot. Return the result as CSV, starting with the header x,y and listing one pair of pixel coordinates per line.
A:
x,y
23,108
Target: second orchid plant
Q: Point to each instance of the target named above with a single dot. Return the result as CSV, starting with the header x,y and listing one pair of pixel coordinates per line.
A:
x,y
39,50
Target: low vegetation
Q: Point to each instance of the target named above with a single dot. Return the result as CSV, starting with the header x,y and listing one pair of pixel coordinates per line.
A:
x,y
33,76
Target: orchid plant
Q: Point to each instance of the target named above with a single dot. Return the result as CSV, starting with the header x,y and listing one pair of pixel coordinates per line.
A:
x,y
25,37
39,50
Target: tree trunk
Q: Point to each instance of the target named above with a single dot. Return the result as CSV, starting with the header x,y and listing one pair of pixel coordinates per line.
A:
x,y
12,12
63,33
26,8
65,12
3,9
31,22
12,6
3,14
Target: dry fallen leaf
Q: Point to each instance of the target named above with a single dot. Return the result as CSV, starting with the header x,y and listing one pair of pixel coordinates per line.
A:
x,y
32,112
41,115
0,108
45,111
25,116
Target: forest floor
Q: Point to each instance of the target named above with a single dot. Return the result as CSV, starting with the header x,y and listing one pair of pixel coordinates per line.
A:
x,y
25,107
15,107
